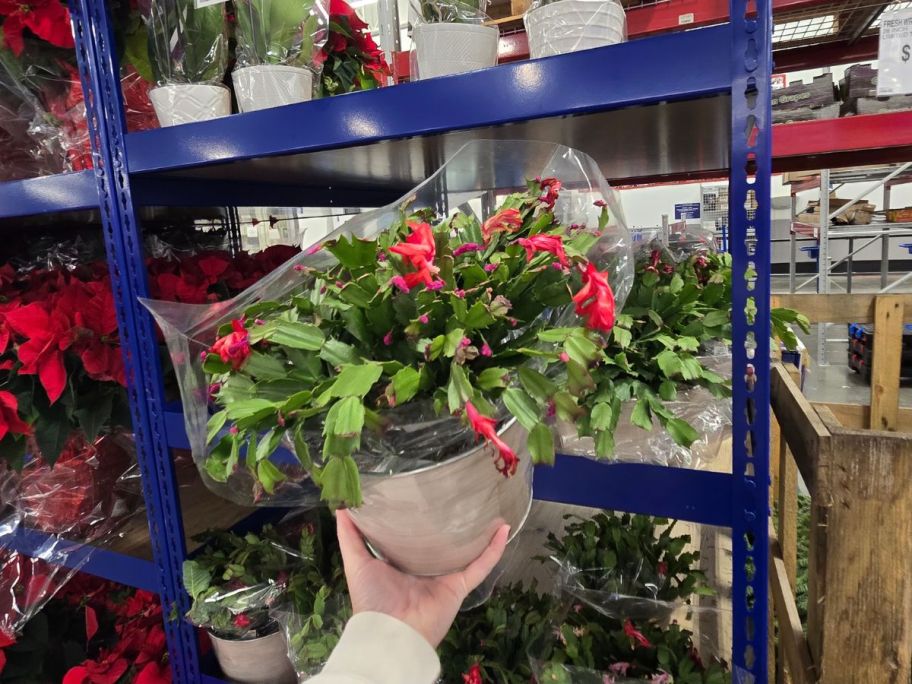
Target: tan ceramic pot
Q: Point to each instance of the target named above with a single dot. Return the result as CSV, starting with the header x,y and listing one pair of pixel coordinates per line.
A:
x,y
255,661
438,519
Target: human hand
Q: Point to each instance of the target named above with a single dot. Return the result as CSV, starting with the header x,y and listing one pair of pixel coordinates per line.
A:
x,y
426,604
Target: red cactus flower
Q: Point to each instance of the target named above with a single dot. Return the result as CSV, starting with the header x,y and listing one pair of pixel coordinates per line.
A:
x,y
473,676
550,187
553,244
418,251
504,221
507,460
595,300
635,635
241,621
235,346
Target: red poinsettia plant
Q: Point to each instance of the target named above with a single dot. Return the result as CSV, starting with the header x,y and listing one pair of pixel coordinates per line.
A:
x,y
351,59
61,369
465,318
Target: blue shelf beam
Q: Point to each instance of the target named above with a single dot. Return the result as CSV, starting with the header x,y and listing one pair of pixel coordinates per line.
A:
x,y
48,194
550,93
98,561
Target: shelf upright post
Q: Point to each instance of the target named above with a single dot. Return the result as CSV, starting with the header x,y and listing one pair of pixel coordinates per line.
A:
x,y
99,73
823,262
885,242
750,247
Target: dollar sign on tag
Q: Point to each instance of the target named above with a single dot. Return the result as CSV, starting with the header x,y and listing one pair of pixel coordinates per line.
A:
x,y
906,52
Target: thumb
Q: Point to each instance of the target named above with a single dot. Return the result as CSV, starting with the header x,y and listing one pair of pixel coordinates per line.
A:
x,y
482,566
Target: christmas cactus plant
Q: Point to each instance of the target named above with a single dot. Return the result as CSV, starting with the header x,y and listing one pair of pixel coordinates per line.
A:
x,y
188,43
460,315
279,31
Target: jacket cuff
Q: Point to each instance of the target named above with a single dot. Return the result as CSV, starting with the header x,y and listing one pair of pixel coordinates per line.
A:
x,y
383,650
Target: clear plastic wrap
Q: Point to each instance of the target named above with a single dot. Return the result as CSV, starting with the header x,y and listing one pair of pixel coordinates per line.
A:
x,y
710,416
87,493
234,581
279,45
556,27
350,58
189,49
572,189
449,37
634,606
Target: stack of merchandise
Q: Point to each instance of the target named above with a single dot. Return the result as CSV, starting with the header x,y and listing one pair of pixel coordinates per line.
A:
x,y
859,93
801,101
859,214
861,350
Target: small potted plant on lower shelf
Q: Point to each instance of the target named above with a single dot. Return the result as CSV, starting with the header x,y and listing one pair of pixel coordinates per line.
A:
x,y
279,42
450,37
555,27
188,43
234,582
628,565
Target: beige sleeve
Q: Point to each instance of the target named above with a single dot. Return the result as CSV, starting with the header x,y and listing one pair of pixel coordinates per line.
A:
x,y
379,649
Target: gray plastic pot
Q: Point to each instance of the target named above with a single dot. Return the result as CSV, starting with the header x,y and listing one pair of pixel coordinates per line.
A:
x,y
263,660
438,519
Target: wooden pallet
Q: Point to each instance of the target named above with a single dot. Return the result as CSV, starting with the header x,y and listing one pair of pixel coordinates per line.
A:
x,y
856,461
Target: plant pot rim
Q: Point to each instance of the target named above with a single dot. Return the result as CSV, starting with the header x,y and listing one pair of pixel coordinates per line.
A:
x,y
194,85
370,477
479,28
272,67
615,8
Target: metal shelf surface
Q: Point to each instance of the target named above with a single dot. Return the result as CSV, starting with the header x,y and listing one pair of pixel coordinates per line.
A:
x,y
638,116
57,193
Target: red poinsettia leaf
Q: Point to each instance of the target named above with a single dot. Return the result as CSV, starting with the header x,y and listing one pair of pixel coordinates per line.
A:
x,y
6,639
212,267
76,675
91,623
52,374
50,20
39,588
30,320
153,673
2,660
12,32
110,672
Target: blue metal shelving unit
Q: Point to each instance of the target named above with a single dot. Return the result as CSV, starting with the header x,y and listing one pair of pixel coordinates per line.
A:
x,y
694,101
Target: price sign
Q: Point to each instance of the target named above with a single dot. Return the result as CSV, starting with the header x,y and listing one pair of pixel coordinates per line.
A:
x,y
894,70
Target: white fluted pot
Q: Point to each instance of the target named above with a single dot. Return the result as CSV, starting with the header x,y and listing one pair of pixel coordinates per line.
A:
x,y
181,103
444,49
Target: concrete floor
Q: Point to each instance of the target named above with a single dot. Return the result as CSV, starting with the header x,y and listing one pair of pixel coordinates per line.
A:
x,y
833,381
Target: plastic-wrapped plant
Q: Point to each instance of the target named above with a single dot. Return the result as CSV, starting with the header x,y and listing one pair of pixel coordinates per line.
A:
x,y
629,555
187,44
279,31
351,59
236,579
452,11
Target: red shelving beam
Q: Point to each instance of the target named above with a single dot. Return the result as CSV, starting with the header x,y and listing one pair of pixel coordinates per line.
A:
x,y
850,141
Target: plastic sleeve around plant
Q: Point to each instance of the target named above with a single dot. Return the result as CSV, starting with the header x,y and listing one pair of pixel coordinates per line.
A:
x,y
289,33
187,44
86,497
710,416
632,635
556,27
89,492
43,126
416,436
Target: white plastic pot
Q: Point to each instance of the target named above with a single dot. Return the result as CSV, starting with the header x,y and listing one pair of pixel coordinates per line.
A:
x,y
445,49
439,519
271,85
255,661
182,103
571,25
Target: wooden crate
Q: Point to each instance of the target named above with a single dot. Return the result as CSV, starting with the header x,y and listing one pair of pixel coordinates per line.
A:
x,y
856,461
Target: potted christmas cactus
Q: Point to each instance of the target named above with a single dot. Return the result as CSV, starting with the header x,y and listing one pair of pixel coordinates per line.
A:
x,y
450,37
188,42
555,27
417,354
278,43
234,581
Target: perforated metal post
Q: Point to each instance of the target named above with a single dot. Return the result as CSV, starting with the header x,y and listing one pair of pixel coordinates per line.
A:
x,y
99,73
749,182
